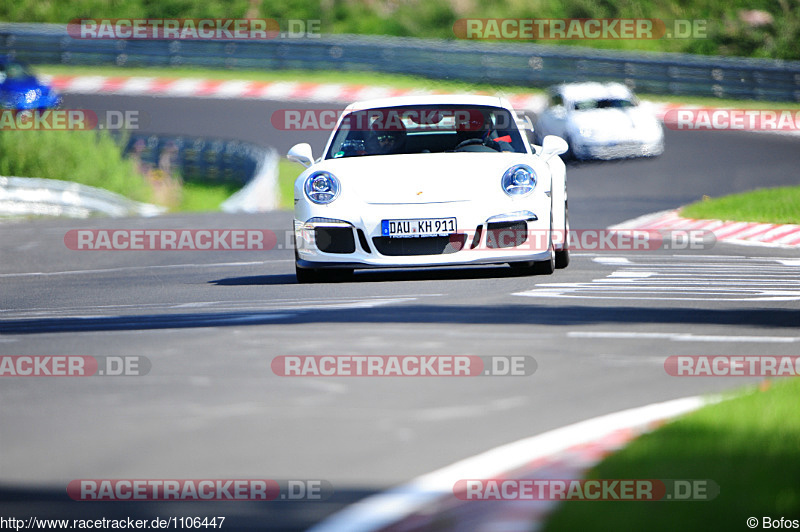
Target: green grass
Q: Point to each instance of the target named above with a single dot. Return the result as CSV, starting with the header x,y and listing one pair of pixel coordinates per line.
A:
x,y
749,446
93,158
197,197
768,205
287,173
87,157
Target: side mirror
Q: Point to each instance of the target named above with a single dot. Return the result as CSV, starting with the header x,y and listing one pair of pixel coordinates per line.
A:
x,y
552,145
301,153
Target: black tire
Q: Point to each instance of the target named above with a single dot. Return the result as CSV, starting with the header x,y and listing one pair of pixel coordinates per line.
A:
x,y
545,267
562,257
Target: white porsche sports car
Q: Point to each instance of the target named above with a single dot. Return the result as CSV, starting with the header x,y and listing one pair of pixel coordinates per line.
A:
x,y
600,121
429,181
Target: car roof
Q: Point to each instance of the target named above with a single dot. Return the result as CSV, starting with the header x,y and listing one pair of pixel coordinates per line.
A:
x,y
592,90
433,99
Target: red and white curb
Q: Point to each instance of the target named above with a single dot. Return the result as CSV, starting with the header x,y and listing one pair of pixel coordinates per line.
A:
x,y
661,110
744,233
562,453
257,90
290,91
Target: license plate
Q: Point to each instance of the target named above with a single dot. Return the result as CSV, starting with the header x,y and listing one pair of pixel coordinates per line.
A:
x,y
418,227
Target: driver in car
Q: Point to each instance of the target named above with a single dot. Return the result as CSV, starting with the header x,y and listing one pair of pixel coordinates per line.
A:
x,y
475,133
386,140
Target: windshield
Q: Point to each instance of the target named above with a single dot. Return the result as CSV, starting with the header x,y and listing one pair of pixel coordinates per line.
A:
x,y
426,129
605,103
13,71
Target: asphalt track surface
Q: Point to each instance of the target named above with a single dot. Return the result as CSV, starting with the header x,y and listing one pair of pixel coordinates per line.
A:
x,y
210,323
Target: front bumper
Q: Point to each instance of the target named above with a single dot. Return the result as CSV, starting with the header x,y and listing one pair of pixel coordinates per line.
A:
x,y
617,150
490,238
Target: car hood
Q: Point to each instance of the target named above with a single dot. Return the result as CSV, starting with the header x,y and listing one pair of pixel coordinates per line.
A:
x,y
13,91
610,121
426,177
23,84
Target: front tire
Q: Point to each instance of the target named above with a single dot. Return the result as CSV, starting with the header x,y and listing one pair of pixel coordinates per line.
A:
x,y
542,267
562,257
545,267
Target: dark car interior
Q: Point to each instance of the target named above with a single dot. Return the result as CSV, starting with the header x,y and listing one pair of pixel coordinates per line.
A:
x,y
426,129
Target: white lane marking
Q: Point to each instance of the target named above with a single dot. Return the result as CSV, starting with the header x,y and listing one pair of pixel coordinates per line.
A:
x,y
611,260
148,267
552,293
632,274
444,413
232,303
383,509
682,337
649,279
256,306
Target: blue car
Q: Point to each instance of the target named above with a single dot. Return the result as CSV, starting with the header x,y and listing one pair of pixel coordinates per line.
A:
x,y
19,88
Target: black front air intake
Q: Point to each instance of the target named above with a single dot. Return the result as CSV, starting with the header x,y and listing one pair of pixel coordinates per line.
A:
x,y
335,239
436,245
506,234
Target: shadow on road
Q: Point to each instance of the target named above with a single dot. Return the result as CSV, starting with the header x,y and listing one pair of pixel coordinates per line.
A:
x,y
523,313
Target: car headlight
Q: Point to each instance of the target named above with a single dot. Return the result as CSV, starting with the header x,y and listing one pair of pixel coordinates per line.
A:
x,y
322,187
32,95
587,132
519,180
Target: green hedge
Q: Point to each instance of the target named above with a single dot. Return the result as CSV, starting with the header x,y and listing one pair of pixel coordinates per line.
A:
x,y
87,157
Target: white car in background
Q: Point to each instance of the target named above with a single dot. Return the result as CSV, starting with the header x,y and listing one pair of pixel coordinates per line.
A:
x,y
429,181
600,121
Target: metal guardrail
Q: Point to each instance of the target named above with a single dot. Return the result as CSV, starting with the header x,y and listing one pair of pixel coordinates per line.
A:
x,y
26,196
214,161
198,159
508,63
